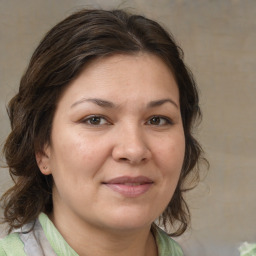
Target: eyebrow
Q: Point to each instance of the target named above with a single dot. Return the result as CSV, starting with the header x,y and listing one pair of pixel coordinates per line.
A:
x,y
109,104
157,103
99,102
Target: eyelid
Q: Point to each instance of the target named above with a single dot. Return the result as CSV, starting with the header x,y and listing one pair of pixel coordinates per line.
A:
x,y
87,118
168,120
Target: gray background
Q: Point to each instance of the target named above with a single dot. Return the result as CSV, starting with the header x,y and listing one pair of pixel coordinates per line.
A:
x,y
219,39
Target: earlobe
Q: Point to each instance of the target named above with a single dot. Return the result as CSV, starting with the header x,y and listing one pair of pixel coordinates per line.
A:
x,y
43,161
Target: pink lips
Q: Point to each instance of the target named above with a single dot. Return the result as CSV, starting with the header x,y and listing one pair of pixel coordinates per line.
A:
x,y
130,186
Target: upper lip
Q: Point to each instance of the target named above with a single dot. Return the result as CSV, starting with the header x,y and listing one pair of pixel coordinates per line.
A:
x,y
127,179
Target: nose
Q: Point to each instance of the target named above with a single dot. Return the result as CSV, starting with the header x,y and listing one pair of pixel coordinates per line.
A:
x,y
131,146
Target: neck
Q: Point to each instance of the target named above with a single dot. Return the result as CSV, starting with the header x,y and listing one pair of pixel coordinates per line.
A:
x,y
86,239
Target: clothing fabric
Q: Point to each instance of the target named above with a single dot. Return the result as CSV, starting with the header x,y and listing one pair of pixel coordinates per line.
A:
x,y
43,239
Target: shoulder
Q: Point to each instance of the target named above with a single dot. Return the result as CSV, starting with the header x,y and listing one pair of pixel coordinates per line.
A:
x,y
166,245
2,251
11,245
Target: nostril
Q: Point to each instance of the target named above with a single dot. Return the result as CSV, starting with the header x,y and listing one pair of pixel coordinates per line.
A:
x,y
123,159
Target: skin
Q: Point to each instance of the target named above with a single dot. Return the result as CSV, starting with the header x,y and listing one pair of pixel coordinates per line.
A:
x,y
138,131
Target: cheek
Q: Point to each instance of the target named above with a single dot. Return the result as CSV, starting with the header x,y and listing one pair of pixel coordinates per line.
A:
x,y
170,161
170,152
78,156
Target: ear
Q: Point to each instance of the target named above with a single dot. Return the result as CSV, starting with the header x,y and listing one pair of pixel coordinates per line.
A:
x,y
43,160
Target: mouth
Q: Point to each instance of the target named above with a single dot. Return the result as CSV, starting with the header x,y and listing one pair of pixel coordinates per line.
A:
x,y
130,186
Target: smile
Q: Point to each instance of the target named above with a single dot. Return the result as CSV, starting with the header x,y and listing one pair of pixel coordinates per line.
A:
x,y
130,186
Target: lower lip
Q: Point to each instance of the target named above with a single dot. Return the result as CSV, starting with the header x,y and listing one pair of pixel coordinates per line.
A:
x,y
130,191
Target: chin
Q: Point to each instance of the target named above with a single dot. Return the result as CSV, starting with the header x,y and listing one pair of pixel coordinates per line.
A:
x,y
130,220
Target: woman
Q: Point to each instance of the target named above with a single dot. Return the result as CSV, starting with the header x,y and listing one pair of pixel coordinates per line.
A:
x,y
101,142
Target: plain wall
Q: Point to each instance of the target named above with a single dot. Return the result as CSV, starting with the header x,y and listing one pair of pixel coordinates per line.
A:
x,y
218,38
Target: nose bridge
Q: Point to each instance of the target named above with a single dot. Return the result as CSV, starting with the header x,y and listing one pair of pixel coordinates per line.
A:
x,y
131,144
133,137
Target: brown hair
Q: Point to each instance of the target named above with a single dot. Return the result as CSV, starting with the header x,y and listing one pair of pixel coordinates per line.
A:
x,y
59,58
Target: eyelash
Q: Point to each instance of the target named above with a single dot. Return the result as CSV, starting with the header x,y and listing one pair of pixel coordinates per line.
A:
x,y
87,120
167,120
90,118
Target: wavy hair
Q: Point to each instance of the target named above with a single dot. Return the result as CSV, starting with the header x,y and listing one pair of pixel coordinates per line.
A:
x,y
60,57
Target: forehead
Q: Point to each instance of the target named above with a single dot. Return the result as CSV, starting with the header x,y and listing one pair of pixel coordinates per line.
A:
x,y
141,76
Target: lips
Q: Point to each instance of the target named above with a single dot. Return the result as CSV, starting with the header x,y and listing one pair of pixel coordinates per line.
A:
x,y
129,186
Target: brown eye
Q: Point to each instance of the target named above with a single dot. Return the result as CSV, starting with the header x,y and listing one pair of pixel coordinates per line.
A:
x,y
95,120
159,121
155,120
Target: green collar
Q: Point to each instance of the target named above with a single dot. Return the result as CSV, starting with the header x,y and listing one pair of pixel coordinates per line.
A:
x,y
166,246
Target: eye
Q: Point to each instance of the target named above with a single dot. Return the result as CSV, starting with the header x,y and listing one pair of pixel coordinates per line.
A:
x,y
159,121
95,120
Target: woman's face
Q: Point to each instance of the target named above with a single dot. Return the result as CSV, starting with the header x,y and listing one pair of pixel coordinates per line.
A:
x,y
117,144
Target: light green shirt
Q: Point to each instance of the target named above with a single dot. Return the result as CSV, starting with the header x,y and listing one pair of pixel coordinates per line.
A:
x,y
15,243
247,249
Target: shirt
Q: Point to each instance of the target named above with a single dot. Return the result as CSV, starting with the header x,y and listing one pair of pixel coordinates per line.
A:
x,y
43,239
